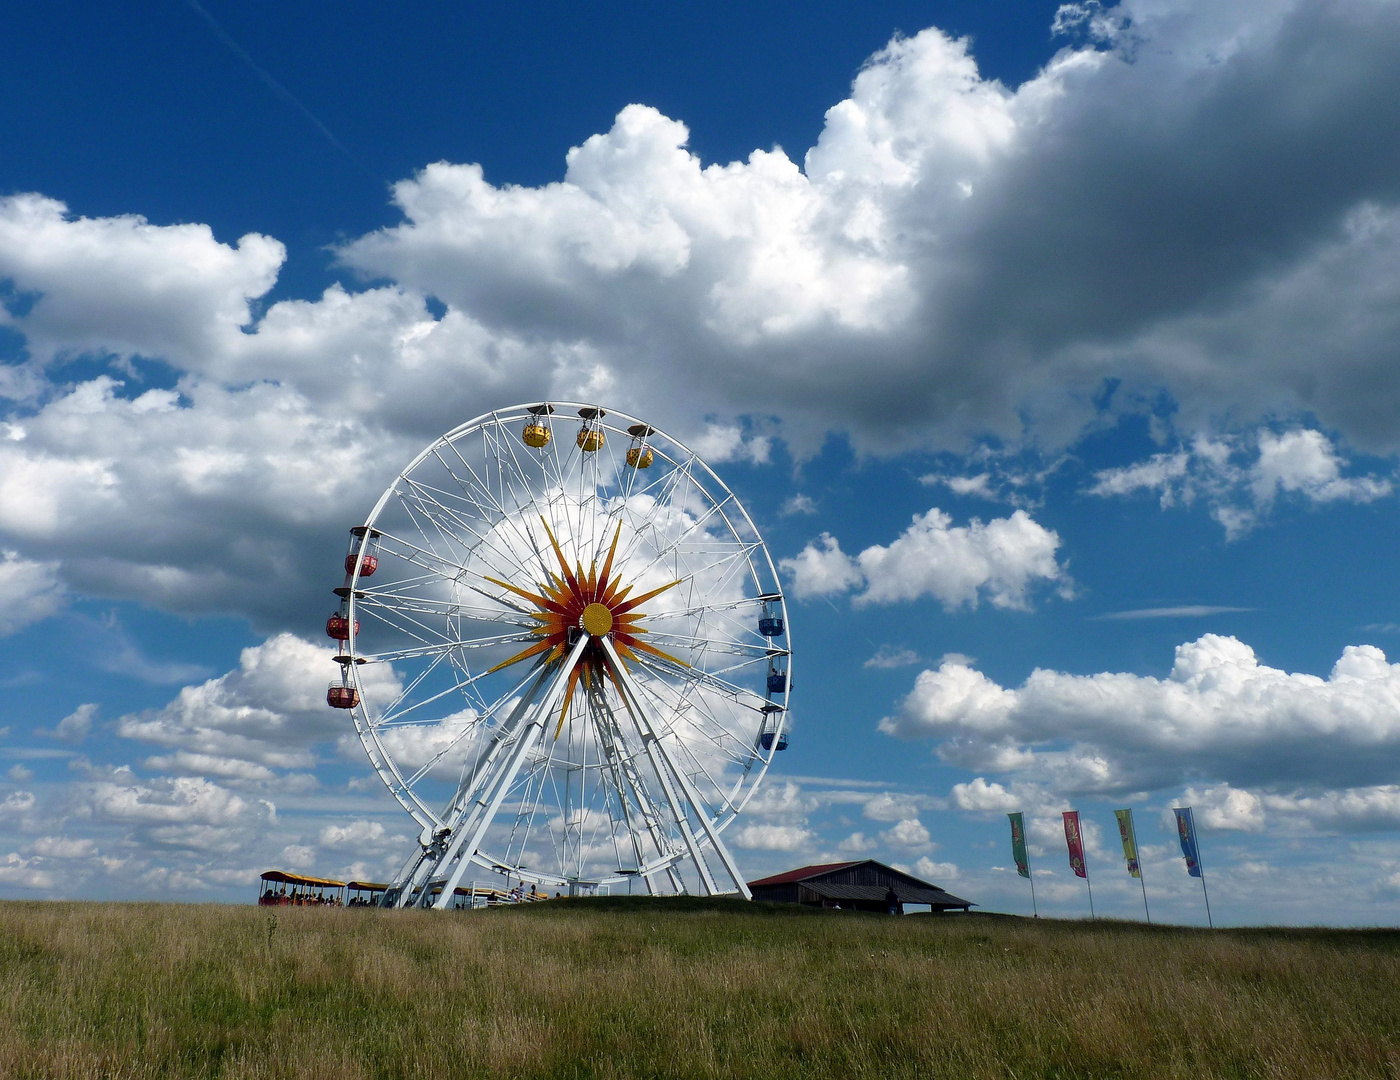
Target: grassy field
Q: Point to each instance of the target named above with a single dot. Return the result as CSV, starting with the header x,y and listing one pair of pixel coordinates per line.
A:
x,y
680,988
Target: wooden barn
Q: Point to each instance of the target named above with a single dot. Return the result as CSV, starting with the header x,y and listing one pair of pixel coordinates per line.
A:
x,y
864,885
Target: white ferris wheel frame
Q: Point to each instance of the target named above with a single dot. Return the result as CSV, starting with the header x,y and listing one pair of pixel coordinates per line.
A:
x,y
451,837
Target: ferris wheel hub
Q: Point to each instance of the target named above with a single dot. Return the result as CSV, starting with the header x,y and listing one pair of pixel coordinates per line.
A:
x,y
597,619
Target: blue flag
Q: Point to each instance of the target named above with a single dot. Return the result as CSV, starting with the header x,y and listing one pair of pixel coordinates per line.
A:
x,y
1186,829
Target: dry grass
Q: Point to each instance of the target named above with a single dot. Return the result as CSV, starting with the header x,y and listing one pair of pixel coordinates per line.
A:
x,y
591,989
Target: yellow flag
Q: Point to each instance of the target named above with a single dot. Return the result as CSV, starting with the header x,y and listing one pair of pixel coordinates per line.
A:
x,y
1129,835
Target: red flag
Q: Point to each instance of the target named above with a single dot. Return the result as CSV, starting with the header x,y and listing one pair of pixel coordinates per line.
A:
x,y
1075,842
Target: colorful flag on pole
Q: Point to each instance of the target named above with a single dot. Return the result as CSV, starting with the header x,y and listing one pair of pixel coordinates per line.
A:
x,y
1018,844
1075,842
1186,829
1129,835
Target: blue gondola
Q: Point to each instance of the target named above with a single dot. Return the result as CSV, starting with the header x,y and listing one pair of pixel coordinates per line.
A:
x,y
777,682
766,740
770,626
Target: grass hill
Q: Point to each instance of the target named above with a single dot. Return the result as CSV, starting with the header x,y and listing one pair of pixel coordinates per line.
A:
x,y
679,988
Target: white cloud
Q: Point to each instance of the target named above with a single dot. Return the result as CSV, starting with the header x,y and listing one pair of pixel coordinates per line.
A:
x,y
124,285
1220,713
1242,477
357,835
268,713
857,844
727,442
892,656
979,796
934,872
910,834
798,503
76,726
822,569
19,774
890,807
17,803
1002,560
944,266
61,847
29,591
1224,807
21,872
183,800
774,837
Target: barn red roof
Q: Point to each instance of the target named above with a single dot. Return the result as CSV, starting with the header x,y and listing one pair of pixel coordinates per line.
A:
x,y
802,873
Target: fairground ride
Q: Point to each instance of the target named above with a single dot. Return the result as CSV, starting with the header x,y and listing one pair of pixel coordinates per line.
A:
x,y
565,649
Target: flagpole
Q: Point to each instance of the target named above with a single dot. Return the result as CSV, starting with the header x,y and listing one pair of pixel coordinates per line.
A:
x,y
1030,876
1200,865
1086,877
1142,880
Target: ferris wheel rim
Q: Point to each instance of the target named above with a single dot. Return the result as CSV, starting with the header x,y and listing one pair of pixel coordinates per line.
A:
x,y
720,497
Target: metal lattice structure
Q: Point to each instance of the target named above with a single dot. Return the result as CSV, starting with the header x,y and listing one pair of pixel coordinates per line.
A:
x,y
565,650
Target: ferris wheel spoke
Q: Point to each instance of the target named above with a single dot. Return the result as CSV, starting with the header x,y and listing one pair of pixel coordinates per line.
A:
x,y
713,682
505,562
675,542
685,702
490,506
426,605
417,555
720,646
514,521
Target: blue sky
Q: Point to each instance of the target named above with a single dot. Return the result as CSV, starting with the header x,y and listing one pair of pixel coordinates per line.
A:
x,y
1052,349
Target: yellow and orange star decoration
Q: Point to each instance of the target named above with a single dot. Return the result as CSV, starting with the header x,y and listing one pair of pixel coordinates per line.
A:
x,y
594,602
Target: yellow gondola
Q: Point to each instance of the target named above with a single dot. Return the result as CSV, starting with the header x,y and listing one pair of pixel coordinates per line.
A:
x,y
639,454
590,436
536,433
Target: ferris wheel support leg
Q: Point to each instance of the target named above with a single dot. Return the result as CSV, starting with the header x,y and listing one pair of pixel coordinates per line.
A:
x,y
420,868
655,747
470,832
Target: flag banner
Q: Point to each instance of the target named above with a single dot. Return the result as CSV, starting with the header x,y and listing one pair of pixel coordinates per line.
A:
x,y
1075,842
1129,835
1018,844
1186,829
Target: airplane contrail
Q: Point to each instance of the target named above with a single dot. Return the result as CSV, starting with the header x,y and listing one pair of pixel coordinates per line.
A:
x,y
275,86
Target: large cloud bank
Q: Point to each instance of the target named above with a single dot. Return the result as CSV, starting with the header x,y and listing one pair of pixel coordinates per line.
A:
x,y
1241,737
1200,198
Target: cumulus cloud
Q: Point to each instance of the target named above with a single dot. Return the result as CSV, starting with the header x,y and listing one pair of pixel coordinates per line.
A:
x,y
1220,713
774,837
890,807
935,872
62,847
29,591
76,726
23,873
909,833
1001,560
946,263
892,656
1372,808
268,713
1242,477
358,836
980,796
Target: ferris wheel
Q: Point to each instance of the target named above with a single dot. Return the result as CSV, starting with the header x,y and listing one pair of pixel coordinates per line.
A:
x,y
566,653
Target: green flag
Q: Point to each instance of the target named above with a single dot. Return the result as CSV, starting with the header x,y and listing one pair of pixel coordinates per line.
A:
x,y
1018,844
1129,835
